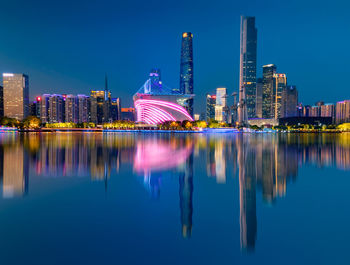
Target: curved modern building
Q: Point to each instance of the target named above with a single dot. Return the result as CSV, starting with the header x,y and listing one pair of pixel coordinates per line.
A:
x,y
155,103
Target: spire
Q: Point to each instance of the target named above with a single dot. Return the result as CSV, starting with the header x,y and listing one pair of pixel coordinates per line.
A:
x,y
106,87
106,82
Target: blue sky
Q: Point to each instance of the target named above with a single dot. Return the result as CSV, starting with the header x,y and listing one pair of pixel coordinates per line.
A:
x,y
68,46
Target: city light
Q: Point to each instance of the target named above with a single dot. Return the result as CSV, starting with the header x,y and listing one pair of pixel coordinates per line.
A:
x,y
156,111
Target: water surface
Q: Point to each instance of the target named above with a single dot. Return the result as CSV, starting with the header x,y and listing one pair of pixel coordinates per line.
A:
x,y
128,198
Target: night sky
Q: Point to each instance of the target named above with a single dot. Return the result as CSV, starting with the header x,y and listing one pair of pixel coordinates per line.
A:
x,y
68,46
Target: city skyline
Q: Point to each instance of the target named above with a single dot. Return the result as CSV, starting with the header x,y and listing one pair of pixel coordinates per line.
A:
x,y
56,72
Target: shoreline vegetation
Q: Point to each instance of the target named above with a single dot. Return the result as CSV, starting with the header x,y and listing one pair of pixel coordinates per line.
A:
x,y
33,124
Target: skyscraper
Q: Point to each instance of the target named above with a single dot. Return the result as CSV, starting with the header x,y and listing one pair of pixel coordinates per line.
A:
x,y
279,85
259,97
16,95
99,106
83,108
327,110
186,69
268,84
44,108
71,109
56,107
247,69
1,101
115,109
289,102
221,106
343,111
210,107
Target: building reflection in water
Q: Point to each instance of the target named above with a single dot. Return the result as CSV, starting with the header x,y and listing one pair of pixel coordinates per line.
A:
x,y
265,163
247,192
14,168
154,156
186,193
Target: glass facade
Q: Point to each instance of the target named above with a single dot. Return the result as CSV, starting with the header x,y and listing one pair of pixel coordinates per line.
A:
x,y
247,71
280,85
83,108
99,106
71,109
210,108
16,96
56,107
267,98
259,98
289,102
186,69
115,109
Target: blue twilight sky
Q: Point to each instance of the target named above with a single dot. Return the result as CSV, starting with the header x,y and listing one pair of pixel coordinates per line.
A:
x,y
68,46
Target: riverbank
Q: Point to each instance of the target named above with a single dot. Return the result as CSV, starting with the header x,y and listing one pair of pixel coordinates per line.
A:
x,y
205,130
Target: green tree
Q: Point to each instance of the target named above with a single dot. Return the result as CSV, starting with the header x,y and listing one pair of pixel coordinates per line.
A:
x,y
31,122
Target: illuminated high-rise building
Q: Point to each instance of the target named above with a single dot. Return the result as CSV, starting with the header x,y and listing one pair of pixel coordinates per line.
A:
x,y
83,108
71,109
279,85
16,95
44,108
342,111
1,101
247,69
186,70
115,109
314,111
210,107
99,100
267,96
289,102
328,110
56,108
259,96
221,105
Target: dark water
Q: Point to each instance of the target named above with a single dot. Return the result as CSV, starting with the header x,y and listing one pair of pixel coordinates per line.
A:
x,y
182,199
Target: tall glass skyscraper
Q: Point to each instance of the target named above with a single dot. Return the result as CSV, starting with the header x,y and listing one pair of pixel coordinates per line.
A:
x,y
16,95
247,69
280,84
186,69
267,98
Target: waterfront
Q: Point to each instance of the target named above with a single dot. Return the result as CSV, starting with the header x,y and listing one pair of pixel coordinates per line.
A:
x,y
133,198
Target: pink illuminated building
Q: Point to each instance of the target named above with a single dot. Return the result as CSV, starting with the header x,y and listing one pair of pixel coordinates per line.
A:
x,y
155,103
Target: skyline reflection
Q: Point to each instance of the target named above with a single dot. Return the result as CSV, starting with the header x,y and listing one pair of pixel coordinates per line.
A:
x,y
261,163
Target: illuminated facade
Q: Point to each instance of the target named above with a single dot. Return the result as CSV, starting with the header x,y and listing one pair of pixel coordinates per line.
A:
x,y
327,110
99,109
56,108
289,102
221,105
280,84
16,96
1,101
343,111
71,109
155,103
83,108
114,110
210,108
44,108
259,96
247,69
186,69
267,95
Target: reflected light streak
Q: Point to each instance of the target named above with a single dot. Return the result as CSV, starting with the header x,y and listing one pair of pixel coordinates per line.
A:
x,y
159,155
